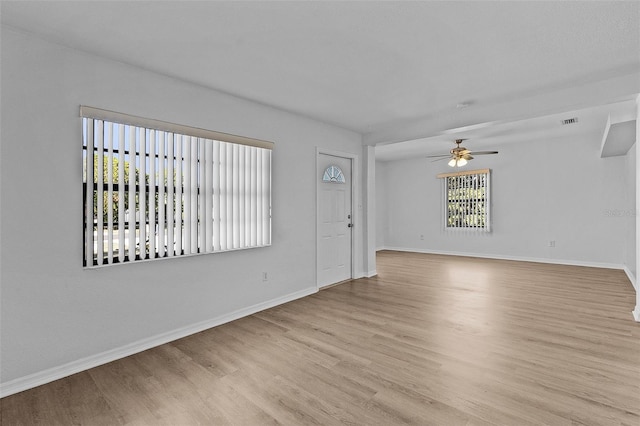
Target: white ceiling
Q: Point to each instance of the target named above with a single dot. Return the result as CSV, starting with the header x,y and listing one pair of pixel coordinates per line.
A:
x,y
591,122
392,71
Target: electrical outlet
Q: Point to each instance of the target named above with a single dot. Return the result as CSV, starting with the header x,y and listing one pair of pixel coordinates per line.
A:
x,y
421,237
552,243
265,277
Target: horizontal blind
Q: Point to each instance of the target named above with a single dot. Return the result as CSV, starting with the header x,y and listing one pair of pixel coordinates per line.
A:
x,y
466,197
152,193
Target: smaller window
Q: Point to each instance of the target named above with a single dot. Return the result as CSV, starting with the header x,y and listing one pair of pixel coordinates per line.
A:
x,y
333,174
466,200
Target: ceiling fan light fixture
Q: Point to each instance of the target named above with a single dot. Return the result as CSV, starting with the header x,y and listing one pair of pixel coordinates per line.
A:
x,y
459,156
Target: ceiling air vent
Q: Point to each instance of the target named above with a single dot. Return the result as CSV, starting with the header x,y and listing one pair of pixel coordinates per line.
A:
x,y
569,121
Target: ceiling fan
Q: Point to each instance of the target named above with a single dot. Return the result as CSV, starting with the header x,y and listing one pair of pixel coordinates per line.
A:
x,y
459,156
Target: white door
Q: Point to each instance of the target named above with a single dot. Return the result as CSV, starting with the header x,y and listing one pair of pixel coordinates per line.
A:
x,y
335,222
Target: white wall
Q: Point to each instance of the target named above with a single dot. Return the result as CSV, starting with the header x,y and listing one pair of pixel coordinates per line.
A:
x,y
630,216
542,190
52,311
636,311
382,217
369,181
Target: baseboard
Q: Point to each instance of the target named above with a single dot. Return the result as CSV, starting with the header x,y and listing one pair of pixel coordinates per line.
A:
x,y
371,273
636,313
517,258
55,373
631,277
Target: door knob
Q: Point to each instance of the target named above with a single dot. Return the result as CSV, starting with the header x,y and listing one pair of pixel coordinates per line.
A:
x,y
350,225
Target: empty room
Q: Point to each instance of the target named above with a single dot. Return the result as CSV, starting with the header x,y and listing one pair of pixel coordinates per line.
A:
x,y
310,212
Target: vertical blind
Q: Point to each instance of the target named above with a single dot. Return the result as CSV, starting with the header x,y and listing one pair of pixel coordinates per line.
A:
x,y
154,189
466,200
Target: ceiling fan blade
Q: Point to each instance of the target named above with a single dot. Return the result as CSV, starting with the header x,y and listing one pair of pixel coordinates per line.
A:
x,y
467,157
438,156
440,159
483,152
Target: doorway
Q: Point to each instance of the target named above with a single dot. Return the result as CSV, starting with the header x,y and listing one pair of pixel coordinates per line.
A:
x,y
334,219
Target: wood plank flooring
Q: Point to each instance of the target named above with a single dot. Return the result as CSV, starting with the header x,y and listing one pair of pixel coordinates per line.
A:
x,y
431,340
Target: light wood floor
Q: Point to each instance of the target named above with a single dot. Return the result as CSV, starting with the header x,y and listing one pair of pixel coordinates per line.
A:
x,y
430,340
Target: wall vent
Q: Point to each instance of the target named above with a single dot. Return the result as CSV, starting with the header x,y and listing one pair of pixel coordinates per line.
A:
x,y
569,121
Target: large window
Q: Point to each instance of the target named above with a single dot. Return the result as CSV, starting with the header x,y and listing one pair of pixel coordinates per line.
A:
x,y
466,200
154,189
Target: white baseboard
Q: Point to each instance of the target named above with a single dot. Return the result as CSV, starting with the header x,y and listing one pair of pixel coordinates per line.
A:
x,y
631,277
40,378
518,258
364,274
636,313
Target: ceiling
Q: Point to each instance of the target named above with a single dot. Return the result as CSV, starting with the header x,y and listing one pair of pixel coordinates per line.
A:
x,y
590,123
392,71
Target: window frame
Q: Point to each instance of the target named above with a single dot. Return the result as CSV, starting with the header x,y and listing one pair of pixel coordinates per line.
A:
x,y
333,174
471,203
231,170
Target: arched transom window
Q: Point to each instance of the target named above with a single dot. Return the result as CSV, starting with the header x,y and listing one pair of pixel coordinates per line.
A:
x,y
333,174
